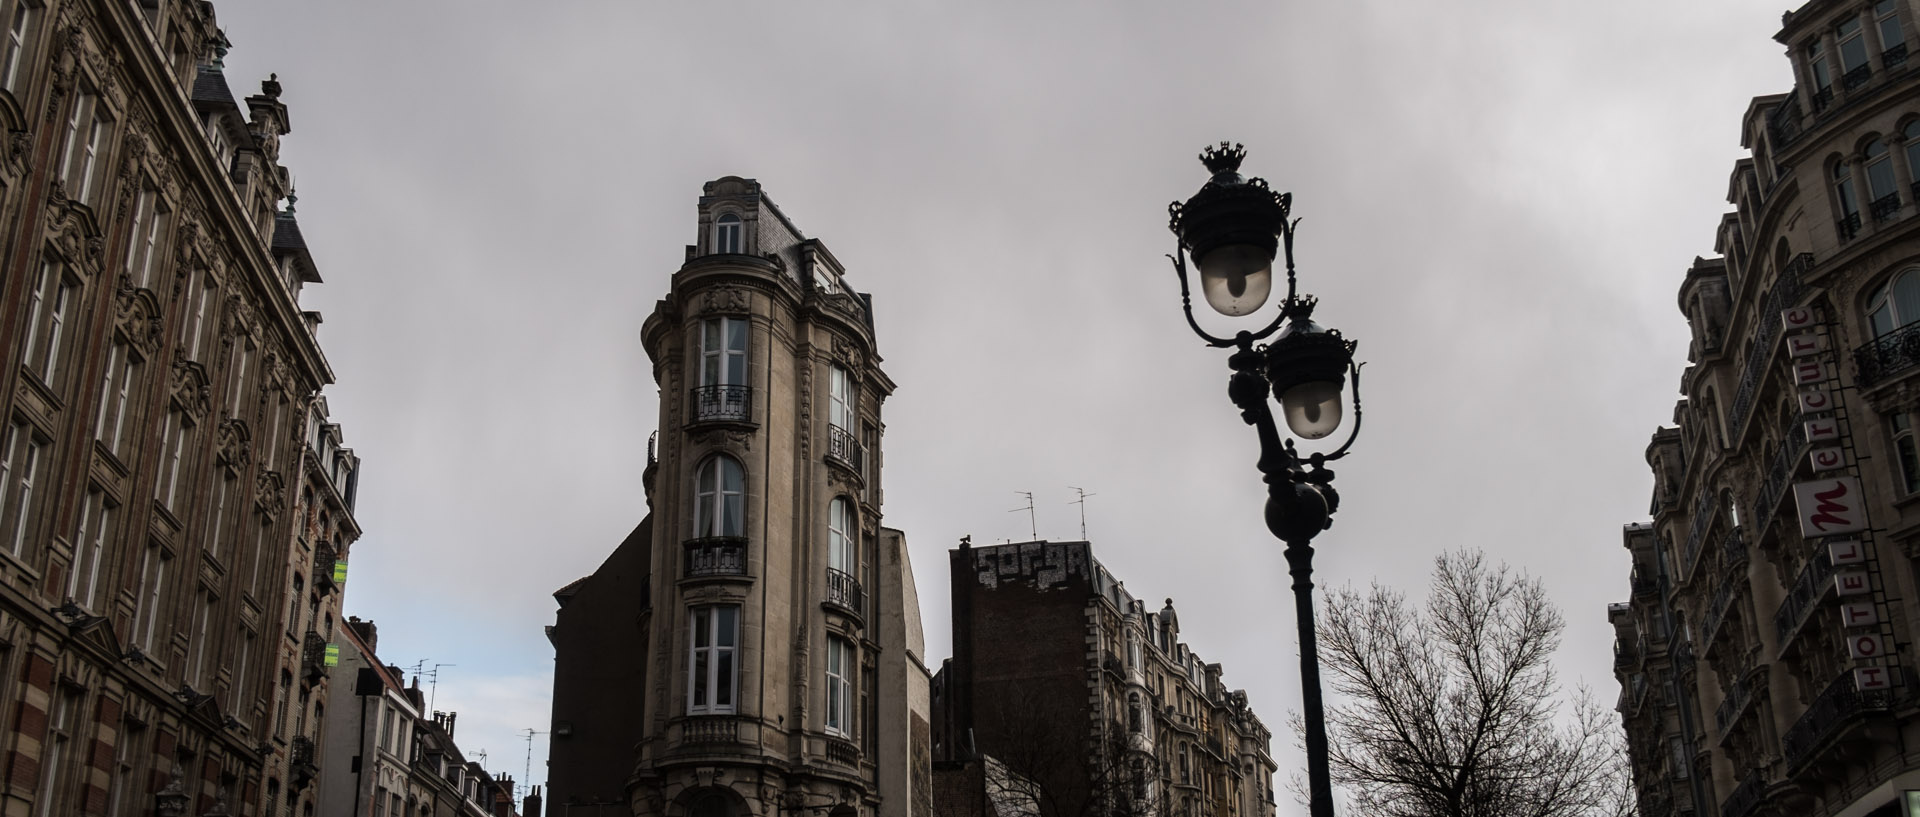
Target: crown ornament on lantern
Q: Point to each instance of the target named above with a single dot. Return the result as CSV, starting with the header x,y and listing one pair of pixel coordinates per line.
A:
x,y
1224,159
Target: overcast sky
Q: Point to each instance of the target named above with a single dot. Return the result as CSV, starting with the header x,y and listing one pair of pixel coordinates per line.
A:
x,y
1499,201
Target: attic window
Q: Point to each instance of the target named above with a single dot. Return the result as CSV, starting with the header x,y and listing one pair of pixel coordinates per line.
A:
x,y
726,234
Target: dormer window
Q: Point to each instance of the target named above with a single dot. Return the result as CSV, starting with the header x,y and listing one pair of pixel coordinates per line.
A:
x,y
726,234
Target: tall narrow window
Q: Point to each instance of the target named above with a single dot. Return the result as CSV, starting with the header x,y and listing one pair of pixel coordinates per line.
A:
x,y
1843,192
124,778
56,753
719,507
1883,195
723,352
90,550
242,352
840,556
173,442
194,327
153,585
216,522
13,52
281,696
841,408
1853,53
839,686
1909,454
726,234
1822,75
241,666
711,676
202,644
17,474
86,138
149,220
115,390
293,605
47,308
1893,41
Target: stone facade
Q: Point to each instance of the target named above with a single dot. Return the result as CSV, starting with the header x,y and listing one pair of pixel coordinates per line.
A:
x,y
1092,704
1765,654
762,633
159,366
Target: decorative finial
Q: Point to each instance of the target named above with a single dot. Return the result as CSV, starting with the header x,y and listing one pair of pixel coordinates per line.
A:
x,y
291,199
271,87
1224,159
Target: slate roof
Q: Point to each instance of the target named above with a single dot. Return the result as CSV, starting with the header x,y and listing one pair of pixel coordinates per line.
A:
x,y
287,240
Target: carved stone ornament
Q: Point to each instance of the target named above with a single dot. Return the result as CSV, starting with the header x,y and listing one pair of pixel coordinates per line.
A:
x,y
186,237
729,437
848,354
240,318
71,230
270,493
17,147
137,318
236,443
723,299
191,391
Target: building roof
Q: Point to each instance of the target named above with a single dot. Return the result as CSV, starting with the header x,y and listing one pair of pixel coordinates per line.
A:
x,y
287,240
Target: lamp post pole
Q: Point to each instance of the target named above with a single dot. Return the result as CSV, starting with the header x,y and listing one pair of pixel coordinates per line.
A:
x,y
1232,229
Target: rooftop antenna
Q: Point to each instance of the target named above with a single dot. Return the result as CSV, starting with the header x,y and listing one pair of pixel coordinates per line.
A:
x,y
433,682
1032,525
1082,502
527,773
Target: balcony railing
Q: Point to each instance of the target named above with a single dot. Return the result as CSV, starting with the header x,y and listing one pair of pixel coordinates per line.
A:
x,y
1786,291
313,656
1885,207
302,767
1744,797
323,559
844,591
723,404
716,556
844,448
843,752
1838,706
1683,658
1887,355
1735,705
1722,602
1849,226
1785,460
709,729
1808,589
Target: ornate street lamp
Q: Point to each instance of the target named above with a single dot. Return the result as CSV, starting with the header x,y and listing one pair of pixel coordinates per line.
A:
x,y
1232,229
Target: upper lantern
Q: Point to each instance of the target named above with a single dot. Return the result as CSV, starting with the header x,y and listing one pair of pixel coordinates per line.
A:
x,y
1231,228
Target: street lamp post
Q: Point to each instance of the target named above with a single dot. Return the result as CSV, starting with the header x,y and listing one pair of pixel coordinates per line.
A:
x,y
1232,229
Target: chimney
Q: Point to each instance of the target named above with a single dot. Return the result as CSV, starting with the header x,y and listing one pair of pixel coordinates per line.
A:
x,y
530,807
366,631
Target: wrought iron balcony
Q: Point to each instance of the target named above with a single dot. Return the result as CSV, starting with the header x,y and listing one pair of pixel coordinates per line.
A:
x,y
1822,99
313,656
1744,797
844,448
1696,532
716,556
1786,291
323,561
301,762
1785,460
701,730
1643,587
1717,609
1856,77
1849,226
723,404
1735,705
1896,55
1808,589
1111,663
1683,658
1784,121
844,591
1837,707
1885,207
1887,355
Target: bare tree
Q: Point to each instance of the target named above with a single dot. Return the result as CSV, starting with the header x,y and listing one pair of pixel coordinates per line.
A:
x,y
1452,709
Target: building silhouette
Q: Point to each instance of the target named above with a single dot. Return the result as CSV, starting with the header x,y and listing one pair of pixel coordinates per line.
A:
x,y
1068,697
753,647
1765,653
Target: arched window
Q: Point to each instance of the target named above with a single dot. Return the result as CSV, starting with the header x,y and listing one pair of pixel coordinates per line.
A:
x,y
1912,132
840,533
719,507
1849,207
708,804
726,234
1882,193
1895,304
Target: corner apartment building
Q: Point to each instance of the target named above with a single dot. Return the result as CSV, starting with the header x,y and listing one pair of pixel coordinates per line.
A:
x,y
1086,698
1766,653
753,647
158,365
